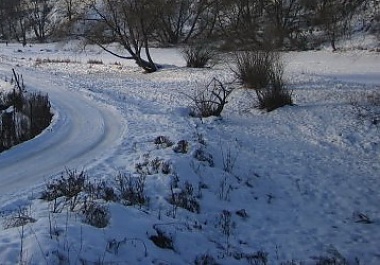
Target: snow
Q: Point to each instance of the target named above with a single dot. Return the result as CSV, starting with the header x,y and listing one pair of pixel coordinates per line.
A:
x,y
297,182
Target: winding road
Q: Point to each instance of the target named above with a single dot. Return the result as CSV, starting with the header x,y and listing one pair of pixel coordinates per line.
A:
x,y
83,132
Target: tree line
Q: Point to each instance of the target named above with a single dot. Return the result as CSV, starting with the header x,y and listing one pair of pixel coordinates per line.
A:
x,y
228,24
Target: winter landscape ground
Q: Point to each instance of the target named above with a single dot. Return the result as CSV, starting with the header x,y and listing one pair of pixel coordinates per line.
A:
x,y
298,185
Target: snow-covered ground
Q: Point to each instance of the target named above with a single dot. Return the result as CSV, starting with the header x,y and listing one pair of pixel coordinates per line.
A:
x,y
297,183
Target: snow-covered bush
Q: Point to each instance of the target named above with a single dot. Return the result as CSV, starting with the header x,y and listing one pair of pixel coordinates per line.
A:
x,y
181,147
162,240
163,142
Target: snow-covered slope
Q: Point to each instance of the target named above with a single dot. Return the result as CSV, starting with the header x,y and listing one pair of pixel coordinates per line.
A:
x,y
297,183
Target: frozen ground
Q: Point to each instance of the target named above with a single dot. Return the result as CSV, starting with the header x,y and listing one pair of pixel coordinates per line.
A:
x,y
297,183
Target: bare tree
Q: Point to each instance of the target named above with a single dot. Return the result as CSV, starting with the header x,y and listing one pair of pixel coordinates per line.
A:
x,y
14,20
69,4
178,21
2,20
240,23
129,23
174,16
39,12
284,21
332,16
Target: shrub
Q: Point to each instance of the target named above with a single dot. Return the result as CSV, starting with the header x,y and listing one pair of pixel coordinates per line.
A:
x,y
276,95
132,189
40,61
258,258
162,142
203,156
184,198
69,186
254,69
21,218
39,113
94,61
96,215
149,167
182,147
368,106
205,259
162,240
263,72
101,191
334,257
210,101
198,55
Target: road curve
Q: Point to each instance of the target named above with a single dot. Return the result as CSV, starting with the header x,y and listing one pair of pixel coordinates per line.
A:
x,y
82,133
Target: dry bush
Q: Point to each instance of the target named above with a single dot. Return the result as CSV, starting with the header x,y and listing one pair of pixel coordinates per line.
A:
x,y
20,218
254,69
181,147
102,191
367,105
163,142
198,55
205,259
40,61
94,61
96,215
276,95
263,72
132,189
162,240
203,156
211,100
68,186
39,112
184,198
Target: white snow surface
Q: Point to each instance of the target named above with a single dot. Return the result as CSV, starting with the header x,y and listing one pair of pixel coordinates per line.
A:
x,y
307,176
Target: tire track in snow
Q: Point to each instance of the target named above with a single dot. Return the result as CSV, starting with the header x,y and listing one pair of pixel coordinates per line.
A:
x,y
82,134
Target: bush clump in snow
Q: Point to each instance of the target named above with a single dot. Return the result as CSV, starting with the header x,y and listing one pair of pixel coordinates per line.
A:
x,y
183,197
211,100
263,72
162,240
18,219
69,187
96,215
198,55
132,189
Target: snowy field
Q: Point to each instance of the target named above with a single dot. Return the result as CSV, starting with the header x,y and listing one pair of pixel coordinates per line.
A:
x,y
299,184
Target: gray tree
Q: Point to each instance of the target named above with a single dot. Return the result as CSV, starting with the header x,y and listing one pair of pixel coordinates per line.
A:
x,y
39,12
284,22
332,16
180,20
129,23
